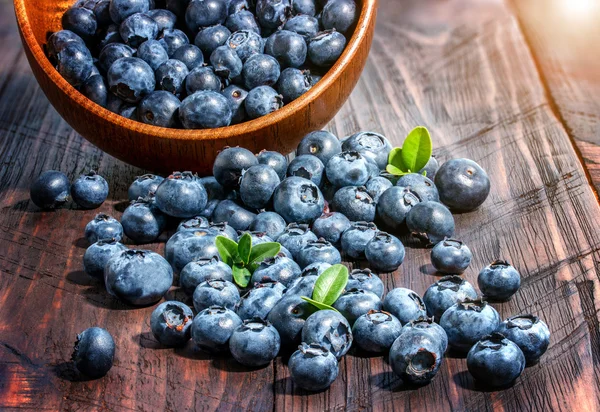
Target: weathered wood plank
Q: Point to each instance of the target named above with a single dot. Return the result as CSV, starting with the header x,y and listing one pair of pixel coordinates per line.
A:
x,y
461,68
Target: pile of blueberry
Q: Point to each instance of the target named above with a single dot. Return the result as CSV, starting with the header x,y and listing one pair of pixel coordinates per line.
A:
x,y
248,57
264,198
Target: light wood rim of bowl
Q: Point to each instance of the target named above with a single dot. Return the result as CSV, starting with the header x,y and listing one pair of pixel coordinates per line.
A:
x,y
368,12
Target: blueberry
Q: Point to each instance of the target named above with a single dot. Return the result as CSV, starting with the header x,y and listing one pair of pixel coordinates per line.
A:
x,y
94,88
239,5
171,76
385,252
373,146
295,237
416,357
499,280
329,329
113,52
404,304
288,47
165,19
313,367
210,208
193,223
255,343
355,239
257,186
213,188
98,254
50,190
226,63
177,7
58,41
270,223
204,13
89,191
121,9
229,165
339,15
203,270
446,292
102,12
463,184
215,293
231,212
181,195
257,237
80,21
171,323
330,226
173,39
258,302
366,280
202,78
430,221
242,20
261,101
303,286
101,227
530,333
326,47
376,186
142,221
274,159
138,28
451,256
305,25
130,79
94,352
129,111
467,322
315,269
138,277
421,185
205,109
260,70
159,108
277,269
355,203
425,324
108,35
495,361
376,331
318,251
209,38
186,246
307,7
321,144
288,317
347,169
298,200
308,167
245,43
273,14
293,83
431,168
190,55
354,303
75,63
212,328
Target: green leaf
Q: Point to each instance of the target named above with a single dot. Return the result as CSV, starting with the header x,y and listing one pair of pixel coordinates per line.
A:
x,y
241,275
244,247
395,159
394,170
330,284
263,251
416,149
227,248
318,305
424,173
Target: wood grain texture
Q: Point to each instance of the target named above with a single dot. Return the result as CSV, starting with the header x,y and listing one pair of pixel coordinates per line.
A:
x,y
461,68
564,37
164,150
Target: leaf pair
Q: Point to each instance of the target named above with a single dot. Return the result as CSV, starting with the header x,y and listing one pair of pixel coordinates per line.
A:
x,y
328,287
414,154
243,257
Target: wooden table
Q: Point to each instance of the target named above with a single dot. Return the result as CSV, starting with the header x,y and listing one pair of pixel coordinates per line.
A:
x,y
515,86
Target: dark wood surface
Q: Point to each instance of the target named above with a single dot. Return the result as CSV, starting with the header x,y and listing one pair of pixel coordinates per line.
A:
x,y
468,71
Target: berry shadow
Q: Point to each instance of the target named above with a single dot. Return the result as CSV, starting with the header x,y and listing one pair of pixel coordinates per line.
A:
x,y
81,243
121,206
68,372
286,386
465,380
101,299
226,363
191,351
454,354
389,381
79,277
146,340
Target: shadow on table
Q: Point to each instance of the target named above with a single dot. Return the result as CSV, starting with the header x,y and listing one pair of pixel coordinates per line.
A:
x,y
67,371
465,380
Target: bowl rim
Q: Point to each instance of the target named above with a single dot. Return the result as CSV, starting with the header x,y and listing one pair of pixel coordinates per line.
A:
x,y
368,12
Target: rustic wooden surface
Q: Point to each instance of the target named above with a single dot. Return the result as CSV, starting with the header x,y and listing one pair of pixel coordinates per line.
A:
x,y
484,86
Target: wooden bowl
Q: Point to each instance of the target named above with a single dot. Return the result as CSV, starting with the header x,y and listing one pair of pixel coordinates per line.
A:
x,y
165,150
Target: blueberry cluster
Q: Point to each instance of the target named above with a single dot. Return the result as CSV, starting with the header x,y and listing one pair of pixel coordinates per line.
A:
x,y
267,199
248,57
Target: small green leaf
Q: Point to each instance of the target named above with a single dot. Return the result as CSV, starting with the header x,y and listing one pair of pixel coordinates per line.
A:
x,y
241,275
263,251
416,149
395,158
318,305
244,247
330,284
424,173
227,248
394,170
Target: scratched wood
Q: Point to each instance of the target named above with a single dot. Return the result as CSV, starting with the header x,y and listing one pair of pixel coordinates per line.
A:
x,y
463,69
